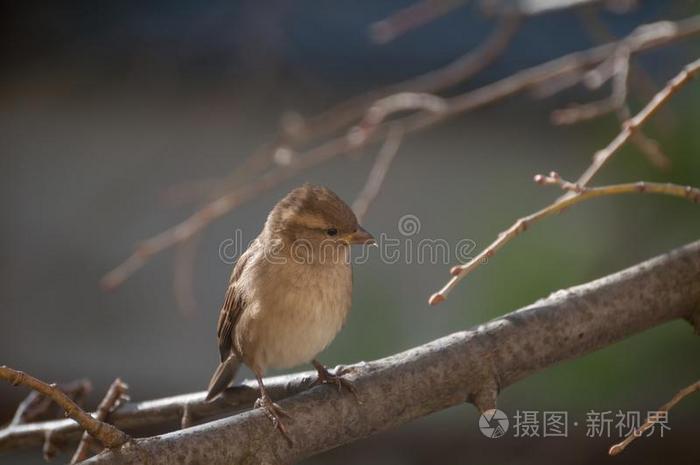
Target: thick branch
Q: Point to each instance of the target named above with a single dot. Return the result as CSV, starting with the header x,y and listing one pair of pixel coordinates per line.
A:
x,y
470,365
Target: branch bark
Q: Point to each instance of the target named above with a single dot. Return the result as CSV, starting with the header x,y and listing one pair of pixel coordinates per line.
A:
x,y
471,365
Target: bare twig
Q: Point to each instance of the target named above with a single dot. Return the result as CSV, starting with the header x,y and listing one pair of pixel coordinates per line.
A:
x,y
116,394
654,418
411,17
643,38
218,207
107,434
617,103
183,275
617,99
633,124
458,71
49,450
382,109
188,418
378,172
599,31
37,406
579,194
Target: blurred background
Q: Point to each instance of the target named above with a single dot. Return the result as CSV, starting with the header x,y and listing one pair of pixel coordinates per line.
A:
x,y
116,119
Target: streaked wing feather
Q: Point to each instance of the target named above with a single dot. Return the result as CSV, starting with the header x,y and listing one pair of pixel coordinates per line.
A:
x,y
234,304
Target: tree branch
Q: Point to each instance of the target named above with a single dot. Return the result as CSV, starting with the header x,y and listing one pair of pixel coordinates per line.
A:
x,y
616,102
37,406
630,127
411,17
107,434
680,395
114,397
469,365
376,176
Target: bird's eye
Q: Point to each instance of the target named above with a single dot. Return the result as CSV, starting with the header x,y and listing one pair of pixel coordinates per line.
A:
x,y
332,231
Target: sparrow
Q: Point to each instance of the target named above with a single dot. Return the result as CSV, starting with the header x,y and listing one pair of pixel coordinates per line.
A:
x,y
289,293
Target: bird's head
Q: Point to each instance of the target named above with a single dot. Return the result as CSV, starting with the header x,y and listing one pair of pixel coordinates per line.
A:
x,y
316,216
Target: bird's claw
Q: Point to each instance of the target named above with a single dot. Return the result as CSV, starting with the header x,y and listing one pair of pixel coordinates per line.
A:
x,y
326,377
275,413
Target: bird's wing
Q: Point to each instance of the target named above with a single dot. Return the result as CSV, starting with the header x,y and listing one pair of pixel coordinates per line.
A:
x,y
234,304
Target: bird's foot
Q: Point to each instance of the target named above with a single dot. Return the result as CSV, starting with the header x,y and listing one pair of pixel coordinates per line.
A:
x,y
275,413
326,377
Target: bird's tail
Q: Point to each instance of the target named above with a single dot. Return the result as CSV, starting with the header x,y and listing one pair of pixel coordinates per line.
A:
x,y
223,376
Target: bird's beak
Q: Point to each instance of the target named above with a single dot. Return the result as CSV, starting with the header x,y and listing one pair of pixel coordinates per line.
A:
x,y
360,237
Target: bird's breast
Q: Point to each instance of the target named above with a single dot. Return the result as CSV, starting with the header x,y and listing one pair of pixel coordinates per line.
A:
x,y
295,315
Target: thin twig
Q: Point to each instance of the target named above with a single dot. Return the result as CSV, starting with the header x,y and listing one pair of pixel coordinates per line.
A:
x,y
220,206
411,17
49,450
36,406
458,71
183,275
643,38
600,32
378,172
382,109
107,434
653,419
188,418
297,130
582,112
116,394
617,103
630,126
579,194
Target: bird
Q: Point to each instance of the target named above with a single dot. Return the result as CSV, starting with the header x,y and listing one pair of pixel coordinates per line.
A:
x,y
289,293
